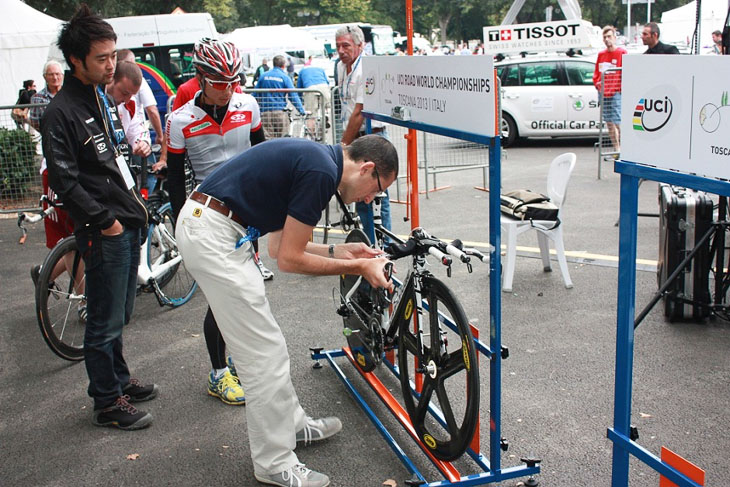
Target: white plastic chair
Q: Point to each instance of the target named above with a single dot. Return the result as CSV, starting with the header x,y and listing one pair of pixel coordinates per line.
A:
x,y
557,184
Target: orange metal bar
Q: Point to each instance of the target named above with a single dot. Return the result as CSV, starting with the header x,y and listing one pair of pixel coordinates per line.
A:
x,y
446,468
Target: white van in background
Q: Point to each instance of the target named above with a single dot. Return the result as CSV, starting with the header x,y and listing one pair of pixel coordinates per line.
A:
x,y
163,47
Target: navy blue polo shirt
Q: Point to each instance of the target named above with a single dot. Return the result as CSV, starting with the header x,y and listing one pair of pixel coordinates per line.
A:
x,y
276,179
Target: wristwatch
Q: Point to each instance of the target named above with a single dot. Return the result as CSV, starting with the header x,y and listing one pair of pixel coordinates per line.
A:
x,y
332,251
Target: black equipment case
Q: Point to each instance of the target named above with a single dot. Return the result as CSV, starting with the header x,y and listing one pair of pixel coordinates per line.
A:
x,y
685,217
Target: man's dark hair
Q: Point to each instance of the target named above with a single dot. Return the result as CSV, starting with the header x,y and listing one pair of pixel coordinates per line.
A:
x,y
377,149
653,28
78,33
27,84
279,61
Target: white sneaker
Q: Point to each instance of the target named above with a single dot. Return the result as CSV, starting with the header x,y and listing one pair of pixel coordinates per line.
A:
x,y
265,273
319,429
297,476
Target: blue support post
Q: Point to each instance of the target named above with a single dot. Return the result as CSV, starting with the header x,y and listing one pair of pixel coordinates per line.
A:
x,y
625,324
495,307
620,434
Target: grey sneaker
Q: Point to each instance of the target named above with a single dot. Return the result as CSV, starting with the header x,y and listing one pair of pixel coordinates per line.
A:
x,y
319,429
297,476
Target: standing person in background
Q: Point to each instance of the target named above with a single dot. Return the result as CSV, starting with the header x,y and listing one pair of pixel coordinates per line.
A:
x,y
608,84
273,103
21,115
717,42
350,41
261,70
53,75
83,142
123,90
650,37
313,77
290,68
146,99
26,92
217,124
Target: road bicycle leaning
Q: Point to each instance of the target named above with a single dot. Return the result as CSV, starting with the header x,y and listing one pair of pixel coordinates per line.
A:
x,y
60,289
424,321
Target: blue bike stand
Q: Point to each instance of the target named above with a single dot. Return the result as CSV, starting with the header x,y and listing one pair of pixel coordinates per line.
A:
x,y
620,434
490,466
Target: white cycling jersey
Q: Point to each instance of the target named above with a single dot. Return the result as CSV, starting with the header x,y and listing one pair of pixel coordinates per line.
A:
x,y
207,143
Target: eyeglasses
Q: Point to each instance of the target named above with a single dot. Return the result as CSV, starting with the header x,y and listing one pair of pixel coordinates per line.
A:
x,y
222,85
377,176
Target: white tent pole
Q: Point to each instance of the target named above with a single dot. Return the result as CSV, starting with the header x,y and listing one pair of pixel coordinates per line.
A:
x,y
628,20
648,11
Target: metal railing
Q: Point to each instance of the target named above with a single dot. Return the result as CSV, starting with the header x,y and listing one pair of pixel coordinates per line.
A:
x,y
436,153
20,162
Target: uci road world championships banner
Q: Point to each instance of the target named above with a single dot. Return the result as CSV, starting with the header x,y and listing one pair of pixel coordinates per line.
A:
x,y
676,113
453,92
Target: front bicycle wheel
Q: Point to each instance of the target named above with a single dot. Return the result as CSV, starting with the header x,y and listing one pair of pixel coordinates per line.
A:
x,y
445,357
61,302
174,285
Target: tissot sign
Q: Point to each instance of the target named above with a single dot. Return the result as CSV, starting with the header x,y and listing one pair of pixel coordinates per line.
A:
x,y
674,115
454,92
540,36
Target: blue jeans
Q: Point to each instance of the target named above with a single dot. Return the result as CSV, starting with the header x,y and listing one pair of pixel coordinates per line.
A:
x,y
111,286
365,211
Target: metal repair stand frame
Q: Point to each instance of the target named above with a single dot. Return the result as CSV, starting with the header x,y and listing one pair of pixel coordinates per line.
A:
x,y
495,353
622,435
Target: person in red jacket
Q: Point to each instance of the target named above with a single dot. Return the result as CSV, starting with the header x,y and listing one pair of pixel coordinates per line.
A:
x,y
608,84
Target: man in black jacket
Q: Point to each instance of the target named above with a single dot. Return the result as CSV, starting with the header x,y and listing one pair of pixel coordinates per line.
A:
x,y
83,142
650,38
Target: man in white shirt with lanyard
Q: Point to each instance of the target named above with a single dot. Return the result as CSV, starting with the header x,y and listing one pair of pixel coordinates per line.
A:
x,y
350,42
126,84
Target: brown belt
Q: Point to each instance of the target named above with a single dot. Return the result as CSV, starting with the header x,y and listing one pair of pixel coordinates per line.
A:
x,y
215,205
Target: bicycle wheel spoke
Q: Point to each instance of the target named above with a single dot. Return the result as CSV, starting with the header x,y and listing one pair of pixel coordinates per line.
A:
x,y
453,363
424,399
445,404
58,297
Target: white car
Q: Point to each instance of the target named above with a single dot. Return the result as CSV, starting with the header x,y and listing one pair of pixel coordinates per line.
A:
x,y
548,96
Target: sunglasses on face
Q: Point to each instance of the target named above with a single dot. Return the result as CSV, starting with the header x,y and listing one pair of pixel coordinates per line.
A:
x,y
222,85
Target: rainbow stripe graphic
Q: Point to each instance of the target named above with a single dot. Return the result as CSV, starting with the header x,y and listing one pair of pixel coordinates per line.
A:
x,y
158,77
638,112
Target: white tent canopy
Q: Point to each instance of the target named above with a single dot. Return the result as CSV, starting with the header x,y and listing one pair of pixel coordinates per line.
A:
x,y
270,40
25,37
678,24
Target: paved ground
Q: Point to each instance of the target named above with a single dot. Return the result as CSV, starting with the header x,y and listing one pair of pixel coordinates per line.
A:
x,y
558,381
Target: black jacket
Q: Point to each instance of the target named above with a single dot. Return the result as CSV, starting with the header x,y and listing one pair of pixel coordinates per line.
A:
x,y
661,48
80,156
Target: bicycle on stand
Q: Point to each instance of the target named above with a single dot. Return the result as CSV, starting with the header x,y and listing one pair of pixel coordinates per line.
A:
x,y
60,290
424,321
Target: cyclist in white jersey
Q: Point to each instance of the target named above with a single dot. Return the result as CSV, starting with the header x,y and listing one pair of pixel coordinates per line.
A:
x,y
217,124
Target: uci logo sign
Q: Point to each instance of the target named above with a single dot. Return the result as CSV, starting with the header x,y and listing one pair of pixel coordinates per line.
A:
x,y
652,114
